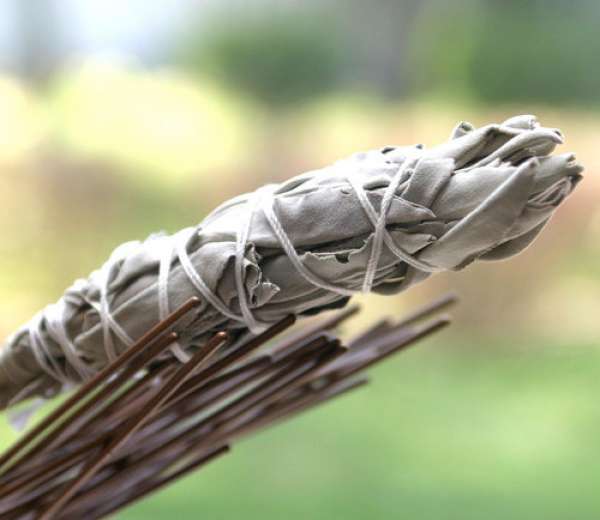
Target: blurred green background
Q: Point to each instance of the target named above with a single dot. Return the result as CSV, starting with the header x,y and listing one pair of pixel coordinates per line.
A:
x,y
121,119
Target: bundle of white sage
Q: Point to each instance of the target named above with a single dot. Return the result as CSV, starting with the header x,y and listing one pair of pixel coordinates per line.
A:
x,y
378,221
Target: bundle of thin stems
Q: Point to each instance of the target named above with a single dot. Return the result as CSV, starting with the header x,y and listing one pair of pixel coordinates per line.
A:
x,y
144,421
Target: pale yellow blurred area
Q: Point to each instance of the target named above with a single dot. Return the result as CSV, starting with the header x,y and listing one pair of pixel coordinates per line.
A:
x,y
159,123
23,123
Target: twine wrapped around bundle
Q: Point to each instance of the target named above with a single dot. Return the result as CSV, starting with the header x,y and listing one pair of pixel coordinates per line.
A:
x,y
378,221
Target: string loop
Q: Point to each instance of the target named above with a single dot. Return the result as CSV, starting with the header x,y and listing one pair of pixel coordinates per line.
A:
x,y
176,248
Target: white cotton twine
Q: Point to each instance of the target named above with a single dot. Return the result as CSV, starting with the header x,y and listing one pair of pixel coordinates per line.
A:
x,y
176,246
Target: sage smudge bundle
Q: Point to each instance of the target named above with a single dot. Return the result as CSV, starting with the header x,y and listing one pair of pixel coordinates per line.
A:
x,y
378,221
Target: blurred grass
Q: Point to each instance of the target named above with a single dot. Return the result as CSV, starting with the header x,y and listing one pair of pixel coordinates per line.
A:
x,y
442,436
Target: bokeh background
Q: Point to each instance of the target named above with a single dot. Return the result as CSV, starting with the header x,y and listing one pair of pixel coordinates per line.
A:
x,y
118,119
